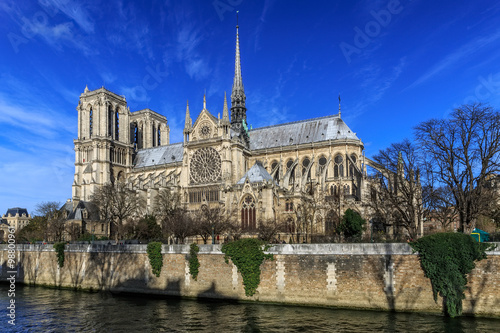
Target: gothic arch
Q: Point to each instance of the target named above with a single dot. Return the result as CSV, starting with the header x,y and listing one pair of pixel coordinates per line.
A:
x,y
248,213
338,168
117,123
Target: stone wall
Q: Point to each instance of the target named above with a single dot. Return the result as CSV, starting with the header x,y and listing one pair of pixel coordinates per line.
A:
x,y
370,276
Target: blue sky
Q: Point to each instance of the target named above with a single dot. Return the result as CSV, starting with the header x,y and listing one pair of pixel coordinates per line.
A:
x,y
395,64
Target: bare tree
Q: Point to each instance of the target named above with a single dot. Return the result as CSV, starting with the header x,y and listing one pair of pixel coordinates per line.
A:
x,y
442,207
56,222
211,221
398,192
268,229
116,204
464,152
174,218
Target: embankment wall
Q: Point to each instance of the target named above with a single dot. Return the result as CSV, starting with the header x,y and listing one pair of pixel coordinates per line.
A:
x,y
369,276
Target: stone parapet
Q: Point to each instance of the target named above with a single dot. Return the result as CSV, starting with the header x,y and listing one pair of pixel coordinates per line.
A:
x,y
370,276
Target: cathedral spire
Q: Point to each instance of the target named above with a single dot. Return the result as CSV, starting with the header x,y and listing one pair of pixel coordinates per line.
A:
x,y
204,101
238,109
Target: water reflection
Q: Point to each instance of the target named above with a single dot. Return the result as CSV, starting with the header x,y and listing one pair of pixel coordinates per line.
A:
x,y
49,310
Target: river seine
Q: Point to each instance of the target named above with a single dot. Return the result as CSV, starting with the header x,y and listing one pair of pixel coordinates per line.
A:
x,y
49,310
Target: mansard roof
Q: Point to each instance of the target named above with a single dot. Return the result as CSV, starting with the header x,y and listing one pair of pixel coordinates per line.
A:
x,y
16,210
300,132
159,155
256,174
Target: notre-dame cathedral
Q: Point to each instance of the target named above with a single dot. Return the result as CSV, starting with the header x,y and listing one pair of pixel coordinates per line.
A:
x,y
256,174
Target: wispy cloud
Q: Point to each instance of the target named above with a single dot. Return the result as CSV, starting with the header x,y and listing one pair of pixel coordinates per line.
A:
x,y
375,83
75,11
458,55
35,119
187,42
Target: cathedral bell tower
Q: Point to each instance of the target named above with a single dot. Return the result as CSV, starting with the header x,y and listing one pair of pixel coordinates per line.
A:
x,y
103,149
238,108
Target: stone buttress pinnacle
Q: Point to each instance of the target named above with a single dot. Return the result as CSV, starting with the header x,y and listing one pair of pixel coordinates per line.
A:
x,y
187,124
225,111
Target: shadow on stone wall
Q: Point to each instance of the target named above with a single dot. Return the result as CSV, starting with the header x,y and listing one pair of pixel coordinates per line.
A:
x,y
105,263
387,269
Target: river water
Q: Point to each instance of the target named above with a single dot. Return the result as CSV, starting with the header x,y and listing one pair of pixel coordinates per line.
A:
x,y
49,310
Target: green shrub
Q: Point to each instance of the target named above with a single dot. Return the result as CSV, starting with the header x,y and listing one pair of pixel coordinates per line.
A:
x,y
446,259
352,225
59,247
155,257
194,263
247,254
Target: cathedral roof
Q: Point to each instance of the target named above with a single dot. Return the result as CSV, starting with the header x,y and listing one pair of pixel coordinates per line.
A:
x,y
256,174
159,155
92,211
300,132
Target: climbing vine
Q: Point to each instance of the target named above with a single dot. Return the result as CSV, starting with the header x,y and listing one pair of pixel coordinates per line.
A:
x,y
446,259
155,257
194,263
59,247
247,254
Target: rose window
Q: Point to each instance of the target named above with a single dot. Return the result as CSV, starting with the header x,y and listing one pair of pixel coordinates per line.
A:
x,y
205,166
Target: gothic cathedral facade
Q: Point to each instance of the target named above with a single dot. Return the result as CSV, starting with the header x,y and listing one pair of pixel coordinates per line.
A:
x,y
255,174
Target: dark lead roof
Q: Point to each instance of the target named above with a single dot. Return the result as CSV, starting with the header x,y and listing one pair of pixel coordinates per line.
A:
x,y
16,210
300,132
92,211
159,155
256,174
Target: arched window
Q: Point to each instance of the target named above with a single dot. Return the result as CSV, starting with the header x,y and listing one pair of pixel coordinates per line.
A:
x,y
110,122
159,136
322,164
338,169
133,133
347,190
153,133
248,218
305,165
117,125
91,115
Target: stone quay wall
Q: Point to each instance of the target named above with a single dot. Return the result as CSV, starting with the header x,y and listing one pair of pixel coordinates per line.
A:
x,y
362,276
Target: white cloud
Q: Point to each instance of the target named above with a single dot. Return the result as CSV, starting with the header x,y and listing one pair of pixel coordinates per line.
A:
x,y
464,52
74,11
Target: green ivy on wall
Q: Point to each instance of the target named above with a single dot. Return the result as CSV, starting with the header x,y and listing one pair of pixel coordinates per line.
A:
x,y
155,257
194,263
59,247
247,254
446,259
